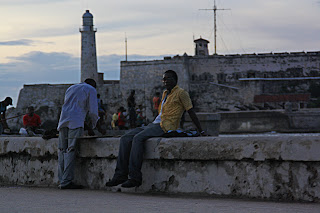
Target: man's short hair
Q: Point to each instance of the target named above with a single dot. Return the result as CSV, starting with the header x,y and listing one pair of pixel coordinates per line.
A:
x,y
8,100
91,82
173,73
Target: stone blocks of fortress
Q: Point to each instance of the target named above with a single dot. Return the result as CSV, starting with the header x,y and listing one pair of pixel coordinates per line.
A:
x,y
224,81
264,167
214,82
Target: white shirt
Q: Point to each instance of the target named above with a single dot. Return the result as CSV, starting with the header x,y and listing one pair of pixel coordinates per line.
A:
x,y
79,100
157,120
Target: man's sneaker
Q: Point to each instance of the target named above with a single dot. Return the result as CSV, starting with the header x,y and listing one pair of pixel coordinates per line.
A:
x,y
71,186
115,182
131,183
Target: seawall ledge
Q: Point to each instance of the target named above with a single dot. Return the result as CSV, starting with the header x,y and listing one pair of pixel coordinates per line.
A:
x,y
257,148
278,167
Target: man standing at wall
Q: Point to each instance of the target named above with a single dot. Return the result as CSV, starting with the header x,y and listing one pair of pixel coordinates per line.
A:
x,y
131,109
80,101
3,108
174,101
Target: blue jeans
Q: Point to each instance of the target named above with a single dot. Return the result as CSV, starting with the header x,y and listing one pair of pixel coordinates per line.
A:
x,y
131,150
67,154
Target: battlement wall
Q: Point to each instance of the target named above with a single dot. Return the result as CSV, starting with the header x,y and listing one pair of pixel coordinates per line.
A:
x,y
46,94
217,81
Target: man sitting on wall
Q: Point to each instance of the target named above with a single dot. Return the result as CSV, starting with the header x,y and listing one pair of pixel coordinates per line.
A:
x,y
174,101
32,122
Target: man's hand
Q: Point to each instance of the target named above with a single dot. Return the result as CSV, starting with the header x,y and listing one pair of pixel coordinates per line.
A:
x,y
196,122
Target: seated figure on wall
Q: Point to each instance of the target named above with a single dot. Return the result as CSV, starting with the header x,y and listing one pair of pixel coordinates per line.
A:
x,y
32,122
122,119
174,102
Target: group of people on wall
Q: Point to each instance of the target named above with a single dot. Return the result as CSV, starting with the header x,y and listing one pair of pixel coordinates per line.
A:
x,y
121,120
134,117
31,121
81,102
83,108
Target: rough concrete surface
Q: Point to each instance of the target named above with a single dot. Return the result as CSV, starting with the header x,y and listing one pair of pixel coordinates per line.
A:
x,y
24,199
272,167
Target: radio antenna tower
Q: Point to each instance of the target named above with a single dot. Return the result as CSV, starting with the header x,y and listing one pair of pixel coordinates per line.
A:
x,y
215,24
126,46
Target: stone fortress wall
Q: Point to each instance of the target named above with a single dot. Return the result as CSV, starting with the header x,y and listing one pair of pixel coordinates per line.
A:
x,y
215,83
210,75
223,82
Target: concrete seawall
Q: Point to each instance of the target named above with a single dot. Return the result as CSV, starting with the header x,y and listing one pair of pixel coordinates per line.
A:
x,y
281,167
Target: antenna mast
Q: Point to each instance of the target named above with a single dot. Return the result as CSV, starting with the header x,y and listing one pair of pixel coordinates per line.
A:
x,y
125,35
215,24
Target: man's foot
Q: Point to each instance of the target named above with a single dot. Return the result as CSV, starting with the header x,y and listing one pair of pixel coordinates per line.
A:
x,y
115,182
71,186
131,183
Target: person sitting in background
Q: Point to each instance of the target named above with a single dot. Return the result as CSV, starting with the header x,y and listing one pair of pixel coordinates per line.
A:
x,y
140,117
121,119
32,122
114,122
102,114
156,102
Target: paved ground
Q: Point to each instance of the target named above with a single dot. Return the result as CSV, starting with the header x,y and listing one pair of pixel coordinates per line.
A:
x,y
23,199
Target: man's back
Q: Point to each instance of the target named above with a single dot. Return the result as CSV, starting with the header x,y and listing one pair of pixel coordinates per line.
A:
x,y
79,99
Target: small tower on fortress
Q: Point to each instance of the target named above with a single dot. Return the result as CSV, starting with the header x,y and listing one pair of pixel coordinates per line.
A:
x,y
201,47
88,48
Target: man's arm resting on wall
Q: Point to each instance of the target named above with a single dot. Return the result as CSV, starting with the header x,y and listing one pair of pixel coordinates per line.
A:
x,y
195,120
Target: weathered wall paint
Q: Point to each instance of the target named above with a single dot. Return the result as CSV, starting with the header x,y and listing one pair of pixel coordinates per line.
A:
x,y
280,167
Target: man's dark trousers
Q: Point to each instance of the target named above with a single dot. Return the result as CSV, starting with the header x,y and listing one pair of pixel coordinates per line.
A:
x,y
131,150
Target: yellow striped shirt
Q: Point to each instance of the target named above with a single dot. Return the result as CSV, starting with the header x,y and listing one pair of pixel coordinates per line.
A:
x,y
177,101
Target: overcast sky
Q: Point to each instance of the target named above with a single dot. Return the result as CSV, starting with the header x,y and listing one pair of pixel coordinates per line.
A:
x,y
40,39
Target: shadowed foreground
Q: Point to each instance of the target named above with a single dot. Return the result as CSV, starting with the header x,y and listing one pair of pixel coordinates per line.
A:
x,y
25,199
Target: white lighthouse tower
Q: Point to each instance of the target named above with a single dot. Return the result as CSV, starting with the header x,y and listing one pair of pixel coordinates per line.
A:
x,y
88,48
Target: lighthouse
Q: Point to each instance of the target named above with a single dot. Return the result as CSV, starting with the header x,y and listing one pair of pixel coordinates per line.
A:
x,y
88,48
